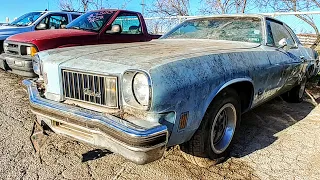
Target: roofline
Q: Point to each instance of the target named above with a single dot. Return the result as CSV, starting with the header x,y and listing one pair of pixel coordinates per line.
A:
x,y
55,12
115,10
262,16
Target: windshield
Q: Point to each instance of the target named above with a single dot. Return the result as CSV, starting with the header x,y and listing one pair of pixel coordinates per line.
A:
x,y
27,19
92,21
246,29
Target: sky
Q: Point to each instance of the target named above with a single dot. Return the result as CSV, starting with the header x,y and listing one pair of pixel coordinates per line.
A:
x,y
16,8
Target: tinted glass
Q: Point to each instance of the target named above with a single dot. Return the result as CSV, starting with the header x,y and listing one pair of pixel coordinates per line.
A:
x,y
130,23
246,29
55,21
277,32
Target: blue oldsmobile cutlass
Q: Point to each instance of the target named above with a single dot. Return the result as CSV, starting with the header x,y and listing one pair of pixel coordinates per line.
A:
x,y
188,88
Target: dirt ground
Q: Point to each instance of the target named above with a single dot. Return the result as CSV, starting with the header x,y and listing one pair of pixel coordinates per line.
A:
x,y
276,141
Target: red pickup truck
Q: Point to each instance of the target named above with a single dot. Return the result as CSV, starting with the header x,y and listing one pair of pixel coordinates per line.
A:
x,y
95,27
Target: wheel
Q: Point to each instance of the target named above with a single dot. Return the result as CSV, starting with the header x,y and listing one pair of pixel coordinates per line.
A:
x,y
212,141
295,95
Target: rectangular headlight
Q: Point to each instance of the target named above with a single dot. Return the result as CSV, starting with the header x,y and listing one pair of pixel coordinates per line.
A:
x,y
36,63
5,46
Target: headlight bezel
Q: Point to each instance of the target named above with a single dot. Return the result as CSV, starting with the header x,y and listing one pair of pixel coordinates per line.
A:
x,y
128,92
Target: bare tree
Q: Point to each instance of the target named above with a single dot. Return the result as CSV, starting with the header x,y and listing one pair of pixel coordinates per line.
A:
x,y
170,8
223,6
80,5
66,5
297,6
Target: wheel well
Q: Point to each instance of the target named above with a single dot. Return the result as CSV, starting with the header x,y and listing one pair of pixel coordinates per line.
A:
x,y
245,92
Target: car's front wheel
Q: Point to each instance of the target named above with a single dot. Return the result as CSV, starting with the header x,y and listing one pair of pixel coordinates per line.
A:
x,y
212,141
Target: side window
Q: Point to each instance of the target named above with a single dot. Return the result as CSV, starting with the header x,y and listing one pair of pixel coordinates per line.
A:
x,y
55,21
129,23
58,21
74,16
293,34
276,32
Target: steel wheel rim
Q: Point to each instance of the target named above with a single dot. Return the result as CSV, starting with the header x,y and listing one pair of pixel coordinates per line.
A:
x,y
223,128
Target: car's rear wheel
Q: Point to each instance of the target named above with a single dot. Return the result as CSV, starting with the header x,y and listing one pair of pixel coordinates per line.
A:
x,y
295,95
212,141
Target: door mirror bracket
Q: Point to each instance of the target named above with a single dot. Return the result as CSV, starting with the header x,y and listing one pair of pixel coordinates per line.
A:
x,y
41,26
115,29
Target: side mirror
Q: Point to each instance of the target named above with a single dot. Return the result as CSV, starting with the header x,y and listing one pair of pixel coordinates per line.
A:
x,y
283,43
115,29
41,26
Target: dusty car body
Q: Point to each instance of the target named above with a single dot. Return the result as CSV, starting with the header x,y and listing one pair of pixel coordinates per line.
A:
x,y
94,27
136,99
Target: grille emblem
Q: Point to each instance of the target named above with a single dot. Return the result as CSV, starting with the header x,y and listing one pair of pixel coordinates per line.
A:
x,y
89,92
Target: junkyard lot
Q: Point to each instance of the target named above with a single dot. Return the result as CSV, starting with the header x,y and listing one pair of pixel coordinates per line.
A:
x,y
276,141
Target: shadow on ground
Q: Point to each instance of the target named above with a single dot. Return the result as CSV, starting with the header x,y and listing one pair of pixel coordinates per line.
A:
x,y
260,125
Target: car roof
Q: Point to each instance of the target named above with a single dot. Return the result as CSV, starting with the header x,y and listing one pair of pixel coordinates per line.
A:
x,y
65,12
114,10
261,16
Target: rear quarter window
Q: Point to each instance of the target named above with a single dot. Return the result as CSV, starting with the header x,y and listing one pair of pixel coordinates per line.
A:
x,y
75,16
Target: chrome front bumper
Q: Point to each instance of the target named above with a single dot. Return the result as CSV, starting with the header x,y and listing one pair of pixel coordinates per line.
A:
x,y
138,144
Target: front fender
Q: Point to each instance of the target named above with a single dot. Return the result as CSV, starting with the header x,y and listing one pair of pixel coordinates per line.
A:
x,y
219,88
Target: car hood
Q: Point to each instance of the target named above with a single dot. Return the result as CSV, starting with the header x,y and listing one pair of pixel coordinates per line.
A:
x,y
110,58
48,34
6,31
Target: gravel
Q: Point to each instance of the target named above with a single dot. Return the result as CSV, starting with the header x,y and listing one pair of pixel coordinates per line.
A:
x,y
276,141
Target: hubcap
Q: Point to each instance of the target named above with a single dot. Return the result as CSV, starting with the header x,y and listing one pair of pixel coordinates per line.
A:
x,y
223,128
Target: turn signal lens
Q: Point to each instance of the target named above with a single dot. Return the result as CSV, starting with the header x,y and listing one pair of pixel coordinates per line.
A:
x,y
32,51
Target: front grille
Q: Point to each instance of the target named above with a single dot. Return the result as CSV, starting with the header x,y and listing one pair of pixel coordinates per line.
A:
x,y
13,49
91,88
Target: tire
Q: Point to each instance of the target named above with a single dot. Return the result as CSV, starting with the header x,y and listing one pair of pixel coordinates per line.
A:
x,y
295,95
203,148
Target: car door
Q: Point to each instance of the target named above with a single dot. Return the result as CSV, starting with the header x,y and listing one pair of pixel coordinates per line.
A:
x,y
285,62
131,30
53,21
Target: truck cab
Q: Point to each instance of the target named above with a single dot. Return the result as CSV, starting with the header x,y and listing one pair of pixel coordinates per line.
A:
x,y
104,26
